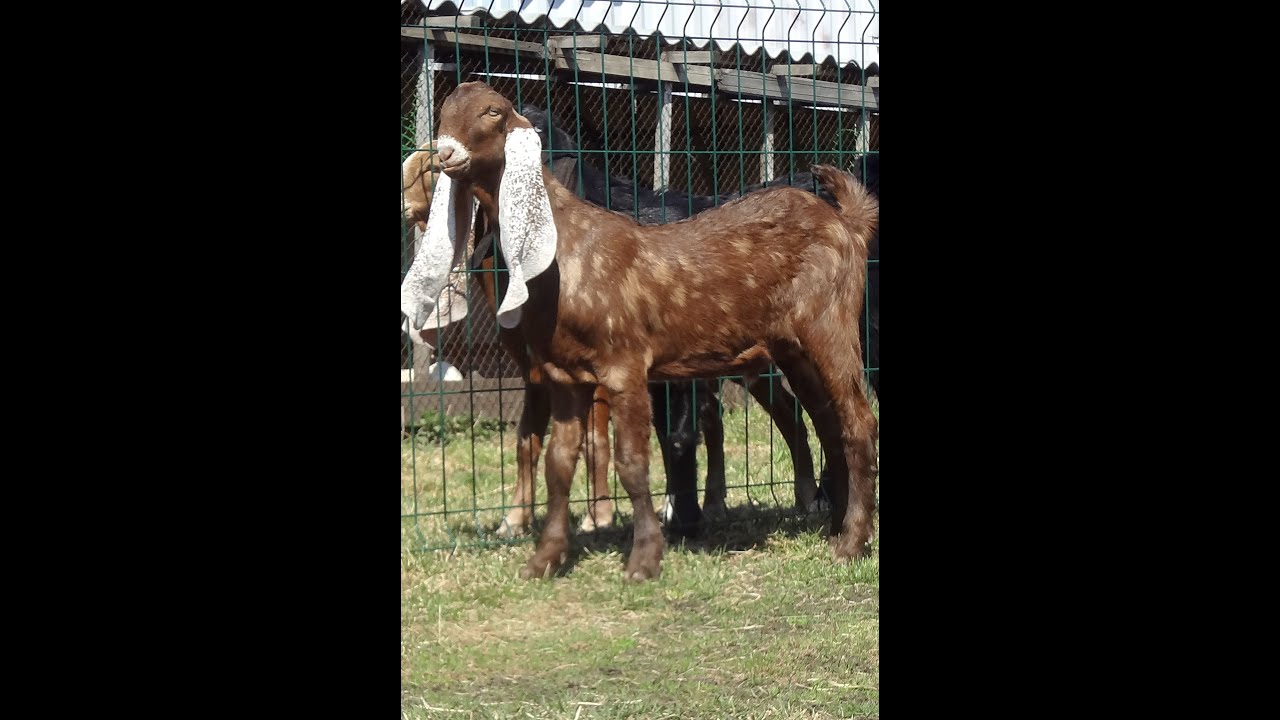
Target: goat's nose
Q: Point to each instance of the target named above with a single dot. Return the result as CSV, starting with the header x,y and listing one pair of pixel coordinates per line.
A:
x,y
420,319
444,154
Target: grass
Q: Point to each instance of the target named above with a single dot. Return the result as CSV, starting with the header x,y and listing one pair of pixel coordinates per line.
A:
x,y
752,620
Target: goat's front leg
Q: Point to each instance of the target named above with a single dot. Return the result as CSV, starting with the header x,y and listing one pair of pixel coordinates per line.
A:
x,y
532,428
673,420
631,419
569,407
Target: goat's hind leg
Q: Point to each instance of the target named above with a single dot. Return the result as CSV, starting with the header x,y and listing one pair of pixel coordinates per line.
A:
x,y
824,376
631,421
713,503
569,407
600,502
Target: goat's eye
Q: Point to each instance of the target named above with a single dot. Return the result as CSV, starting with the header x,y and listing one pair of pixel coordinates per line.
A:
x,y
494,112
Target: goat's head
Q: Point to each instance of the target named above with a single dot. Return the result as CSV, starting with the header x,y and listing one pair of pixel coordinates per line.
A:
x,y
559,144
486,150
416,175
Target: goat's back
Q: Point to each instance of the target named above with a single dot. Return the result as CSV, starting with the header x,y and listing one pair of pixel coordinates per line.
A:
x,y
710,287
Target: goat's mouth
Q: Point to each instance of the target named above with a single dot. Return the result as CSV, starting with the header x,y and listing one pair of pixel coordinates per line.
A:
x,y
456,168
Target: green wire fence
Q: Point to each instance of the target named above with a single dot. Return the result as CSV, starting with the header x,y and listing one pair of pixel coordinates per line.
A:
x,y
687,116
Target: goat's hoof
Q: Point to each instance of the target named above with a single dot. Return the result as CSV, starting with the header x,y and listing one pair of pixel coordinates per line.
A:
x,y
685,520
686,527
806,493
820,502
645,562
637,576
545,562
715,510
819,505
635,573
598,520
845,548
509,529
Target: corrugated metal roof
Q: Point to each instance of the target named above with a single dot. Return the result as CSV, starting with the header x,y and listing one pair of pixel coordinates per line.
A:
x,y
845,30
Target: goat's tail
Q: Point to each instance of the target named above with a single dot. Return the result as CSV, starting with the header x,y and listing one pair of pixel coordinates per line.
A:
x,y
858,207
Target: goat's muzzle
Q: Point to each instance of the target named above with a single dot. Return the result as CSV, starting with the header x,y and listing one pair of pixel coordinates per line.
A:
x,y
459,165
456,169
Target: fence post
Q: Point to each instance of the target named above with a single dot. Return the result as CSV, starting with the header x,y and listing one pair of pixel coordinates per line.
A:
x,y
766,146
864,131
662,137
426,97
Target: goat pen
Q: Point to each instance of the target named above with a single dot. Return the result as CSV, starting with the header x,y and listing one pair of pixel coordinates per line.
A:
x,y
672,107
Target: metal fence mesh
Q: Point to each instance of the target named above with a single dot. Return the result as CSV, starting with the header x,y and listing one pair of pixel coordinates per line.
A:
x,y
461,398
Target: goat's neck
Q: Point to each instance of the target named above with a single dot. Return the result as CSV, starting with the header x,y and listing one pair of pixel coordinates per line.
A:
x,y
562,201
488,200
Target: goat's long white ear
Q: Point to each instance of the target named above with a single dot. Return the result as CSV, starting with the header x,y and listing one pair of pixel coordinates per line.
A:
x,y
451,306
440,250
528,231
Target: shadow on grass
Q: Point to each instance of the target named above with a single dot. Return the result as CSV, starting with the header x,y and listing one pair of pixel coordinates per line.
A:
x,y
742,528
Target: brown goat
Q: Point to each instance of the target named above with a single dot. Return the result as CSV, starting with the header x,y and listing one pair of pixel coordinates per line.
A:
x,y
533,427
420,174
775,274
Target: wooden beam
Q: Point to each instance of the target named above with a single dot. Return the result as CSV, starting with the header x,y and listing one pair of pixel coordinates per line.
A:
x,y
751,84
796,70
680,57
873,81
415,32
583,42
448,21
799,90
471,41
634,68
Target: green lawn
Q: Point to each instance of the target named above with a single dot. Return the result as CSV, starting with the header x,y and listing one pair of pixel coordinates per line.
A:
x,y
753,620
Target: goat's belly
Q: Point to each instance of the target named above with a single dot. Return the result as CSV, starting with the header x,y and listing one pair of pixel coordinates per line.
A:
x,y
568,374
751,361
